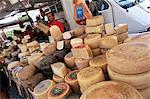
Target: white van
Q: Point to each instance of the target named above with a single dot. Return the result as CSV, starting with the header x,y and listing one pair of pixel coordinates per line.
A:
x,y
136,13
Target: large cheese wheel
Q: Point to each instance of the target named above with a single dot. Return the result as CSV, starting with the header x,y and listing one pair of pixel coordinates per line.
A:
x,y
50,49
60,45
58,79
13,65
33,58
94,29
139,81
69,60
56,32
26,72
41,90
71,79
121,28
59,69
89,76
43,45
99,61
23,48
68,35
59,91
82,51
94,21
145,93
92,40
81,63
96,51
129,58
78,31
122,37
111,90
108,42
109,28
76,41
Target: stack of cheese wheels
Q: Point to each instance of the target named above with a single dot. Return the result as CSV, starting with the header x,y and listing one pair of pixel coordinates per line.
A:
x,y
89,76
56,33
111,90
50,49
69,60
26,72
41,90
99,61
122,32
32,46
81,63
76,42
59,91
78,31
13,65
129,62
71,79
58,79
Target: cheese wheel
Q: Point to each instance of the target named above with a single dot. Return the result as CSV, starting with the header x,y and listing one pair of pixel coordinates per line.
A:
x,y
121,28
89,76
108,42
60,45
59,69
59,91
82,51
26,72
50,49
94,21
139,81
111,90
145,93
13,65
81,63
92,40
99,61
23,48
41,90
104,50
69,60
76,41
68,35
71,79
43,45
58,79
78,31
96,51
129,58
109,28
33,58
56,33
122,37
94,29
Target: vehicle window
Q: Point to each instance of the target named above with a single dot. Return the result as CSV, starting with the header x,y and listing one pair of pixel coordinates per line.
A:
x,y
128,3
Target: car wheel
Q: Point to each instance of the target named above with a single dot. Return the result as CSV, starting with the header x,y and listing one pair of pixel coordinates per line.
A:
x,y
148,29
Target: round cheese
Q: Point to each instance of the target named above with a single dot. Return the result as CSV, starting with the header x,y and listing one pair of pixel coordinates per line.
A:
x,y
94,21
139,81
76,42
49,49
41,90
145,93
59,91
89,76
92,40
99,61
69,60
108,42
56,33
58,79
96,51
78,31
81,63
71,79
13,65
111,90
129,58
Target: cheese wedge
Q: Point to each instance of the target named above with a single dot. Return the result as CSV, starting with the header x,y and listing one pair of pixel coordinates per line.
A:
x,y
76,41
41,90
78,31
23,48
82,51
69,60
60,45
81,63
92,40
58,79
121,28
108,42
94,29
13,65
59,91
68,35
94,21
89,76
50,49
145,93
109,28
59,69
96,51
